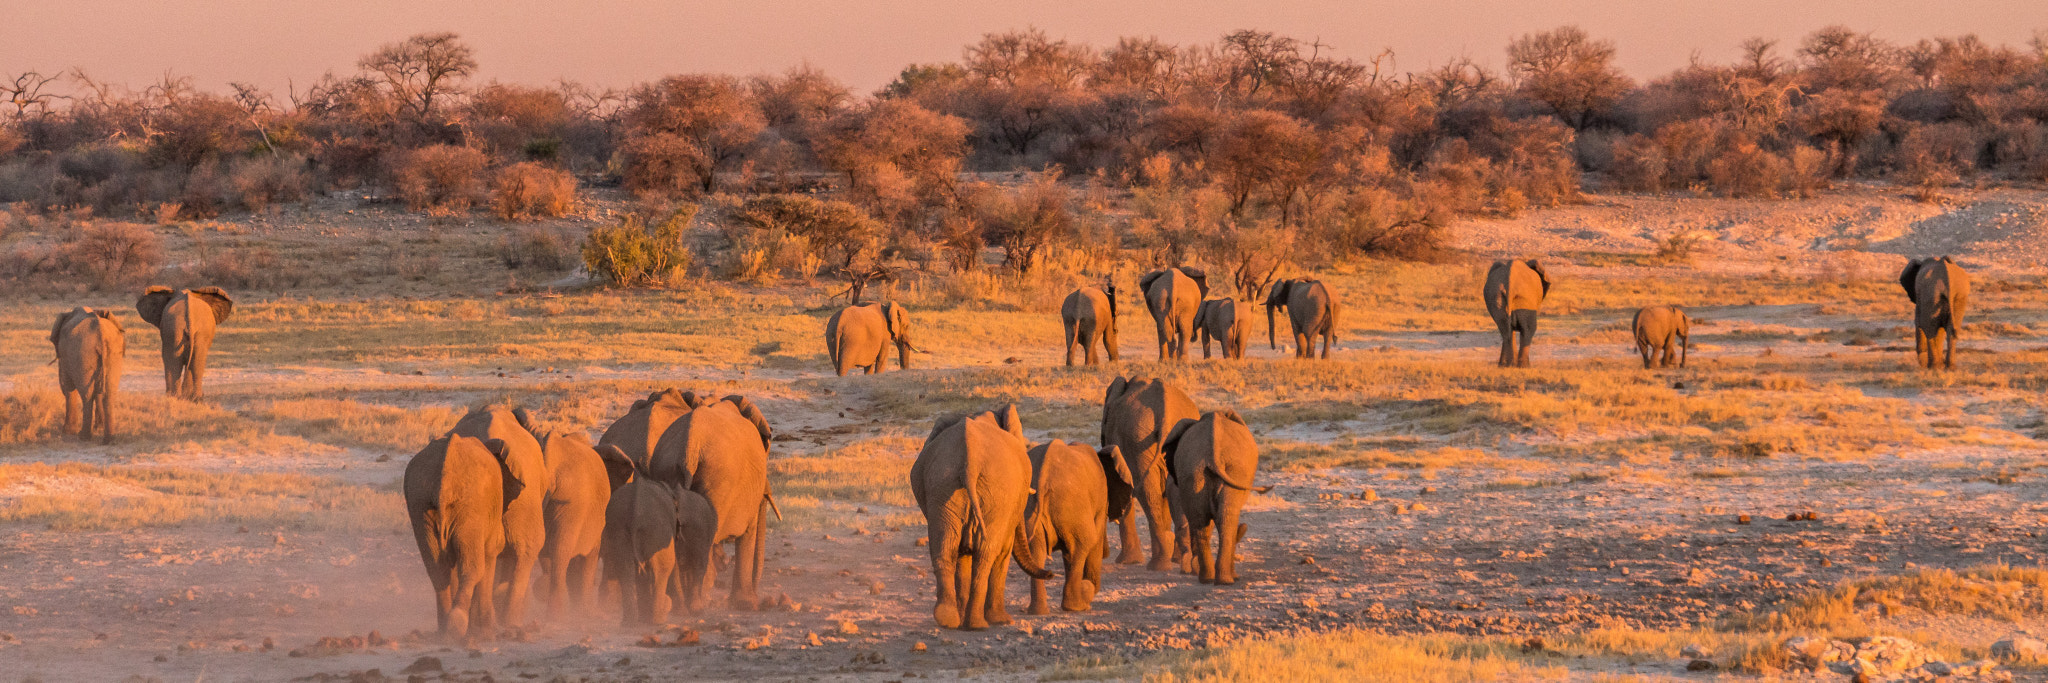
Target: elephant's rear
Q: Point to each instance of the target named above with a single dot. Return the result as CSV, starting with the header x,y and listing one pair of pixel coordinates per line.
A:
x,y
90,346
454,495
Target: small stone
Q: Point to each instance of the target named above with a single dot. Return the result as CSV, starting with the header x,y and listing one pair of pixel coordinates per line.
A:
x,y
1742,519
1418,507
921,541
813,638
1428,489
423,665
1369,495
2019,646
1699,665
1695,651
848,628
1532,645
919,647
162,658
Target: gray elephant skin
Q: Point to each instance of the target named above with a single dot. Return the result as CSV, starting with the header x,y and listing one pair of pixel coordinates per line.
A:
x,y
525,515
719,449
186,320
1214,460
640,430
578,491
90,347
1075,491
1311,312
1173,296
656,541
1137,414
972,480
860,337
1221,321
1514,293
1940,292
1088,317
1663,333
455,493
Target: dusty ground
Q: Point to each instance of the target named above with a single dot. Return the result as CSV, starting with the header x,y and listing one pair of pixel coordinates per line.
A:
x,y
1586,493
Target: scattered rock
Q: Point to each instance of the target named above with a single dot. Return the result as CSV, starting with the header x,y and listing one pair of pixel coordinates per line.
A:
x,y
812,637
2019,646
1532,645
1695,651
1699,665
423,665
919,647
848,628
1742,519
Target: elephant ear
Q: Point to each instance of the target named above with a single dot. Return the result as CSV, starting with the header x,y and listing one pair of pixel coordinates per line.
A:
x,y
57,328
1145,282
1541,275
1906,278
1231,415
619,468
1277,296
513,486
753,414
943,423
1008,420
1200,277
1116,389
217,299
1169,447
1119,476
691,399
152,304
525,421
1109,292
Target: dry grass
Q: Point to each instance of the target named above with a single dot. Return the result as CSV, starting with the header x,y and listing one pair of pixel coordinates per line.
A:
x,y
355,424
77,496
831,489
1992,591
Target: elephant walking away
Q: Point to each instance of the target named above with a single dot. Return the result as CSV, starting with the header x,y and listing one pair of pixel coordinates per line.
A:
x,y
525,514
1137,414
1088,316
1221,321
1311,312
860,337
90,347
455,490
1940,292
656,541
972,479
1514,293
1075,491
1173,296
641,428
719,450
578,491
1214,460
1663,331
185,319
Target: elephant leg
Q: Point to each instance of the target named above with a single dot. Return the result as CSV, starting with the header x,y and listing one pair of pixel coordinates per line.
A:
x,y
624,586
1040,606
195,374
1230,531
1162,521
1080,585
483,611
1670,350
1160,326
658,603
1198,537
1507,343
1109,342
555,570
1329,337
1948,356
444,596
998,587
746,570
1304,346
881,363
1071,336
1130,554
947,570
461,594
1526,320
978,582
583,582
1920,346
74,414
521,580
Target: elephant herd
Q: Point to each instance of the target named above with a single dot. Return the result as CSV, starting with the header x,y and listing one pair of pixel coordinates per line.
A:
x,y
640,516
91,345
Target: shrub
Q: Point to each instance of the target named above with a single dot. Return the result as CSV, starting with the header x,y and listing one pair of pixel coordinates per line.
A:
x,y
1745,170
263,181
249,268
1639,164
1024,222
538,249
633,254
531,190
442,179
110,255
834,231
661,165
1809,171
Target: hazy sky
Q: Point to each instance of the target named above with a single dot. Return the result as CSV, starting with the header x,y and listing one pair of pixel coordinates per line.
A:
x,y
619,42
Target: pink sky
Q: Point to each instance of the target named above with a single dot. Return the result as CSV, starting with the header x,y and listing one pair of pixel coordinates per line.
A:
x,y
619,42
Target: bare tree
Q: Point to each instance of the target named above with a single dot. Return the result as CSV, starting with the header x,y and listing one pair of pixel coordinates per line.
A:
x,y
1569,71
421,69
28,90
716,114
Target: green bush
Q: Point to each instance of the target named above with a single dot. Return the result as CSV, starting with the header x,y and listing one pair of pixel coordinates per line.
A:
x,y
633,254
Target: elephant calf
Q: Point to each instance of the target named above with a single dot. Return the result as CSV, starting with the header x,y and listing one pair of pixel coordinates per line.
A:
x,y
455,493
1940,292
972,479
657,541
1075,492
1213,461
90,345
1665,331
1221,321
1088,316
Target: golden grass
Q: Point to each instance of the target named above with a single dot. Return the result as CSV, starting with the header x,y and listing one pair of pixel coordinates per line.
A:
x,y
94,497
825,490
355,424
1993,591
1348,655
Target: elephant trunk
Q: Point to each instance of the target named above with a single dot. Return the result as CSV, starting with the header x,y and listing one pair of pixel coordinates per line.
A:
x,y
1270,343
903,350
1030,556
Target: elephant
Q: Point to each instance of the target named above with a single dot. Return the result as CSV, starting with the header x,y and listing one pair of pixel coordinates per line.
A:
x,y
1137,414
186,320
525,515
1514,292
1663,330
657,540
860,336
1089,315
641,428
1172,296
455,493
1311,312
90,346
1075,491
574,508
1213,460
972,479
1222,321
1940,292
719,449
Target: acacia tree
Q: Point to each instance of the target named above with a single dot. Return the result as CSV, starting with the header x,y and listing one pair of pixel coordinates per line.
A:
x,y
713,114
1568,71
895,153
422,69
1265,151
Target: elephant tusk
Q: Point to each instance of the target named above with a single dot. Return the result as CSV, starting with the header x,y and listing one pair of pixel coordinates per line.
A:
x,y
772,506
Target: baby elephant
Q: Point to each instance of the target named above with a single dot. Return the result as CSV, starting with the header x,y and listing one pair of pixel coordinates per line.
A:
x,y
1222,321
1076,491
1212,463
657,541
1663,330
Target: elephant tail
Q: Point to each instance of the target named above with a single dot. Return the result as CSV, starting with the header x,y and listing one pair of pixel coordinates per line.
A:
x,y
1217,472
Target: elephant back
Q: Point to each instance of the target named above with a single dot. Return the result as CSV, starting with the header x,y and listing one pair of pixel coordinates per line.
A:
x,y
641,428
716,450
522,450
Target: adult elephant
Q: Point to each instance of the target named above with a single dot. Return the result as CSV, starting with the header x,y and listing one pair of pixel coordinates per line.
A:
x,y
1514,292
455,493
1662,331
637,433
971,479
860,336
1137,414
525,515
1311,311
1173,296
720,450
578,491
90,347
1088,316
1075,491
1940,292
186,320
1213,461
1221,321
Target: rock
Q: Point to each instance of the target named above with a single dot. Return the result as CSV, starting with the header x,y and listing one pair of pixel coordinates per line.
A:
x,y
1814,653
1695,651
813,639
919,647
423,665
1699,665
2019,646
1369,495
1742,519
1880,656
847,628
